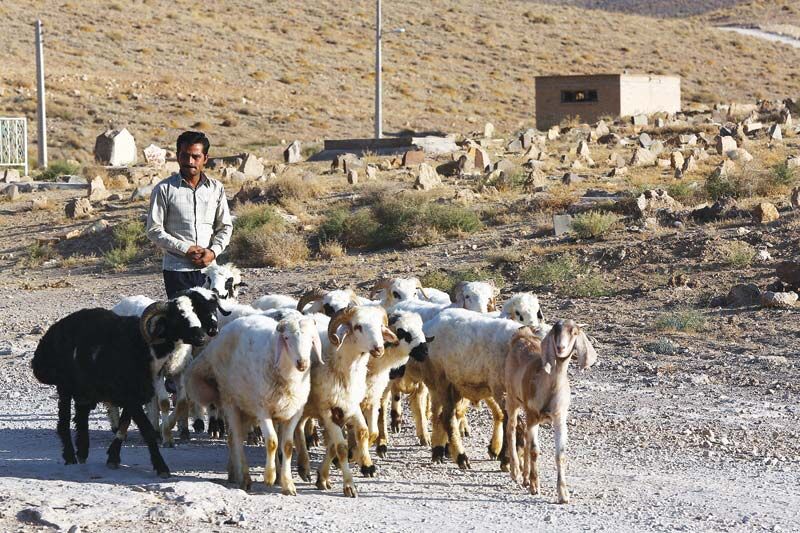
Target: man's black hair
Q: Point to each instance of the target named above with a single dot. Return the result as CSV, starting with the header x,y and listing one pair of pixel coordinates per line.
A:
x,y
193,137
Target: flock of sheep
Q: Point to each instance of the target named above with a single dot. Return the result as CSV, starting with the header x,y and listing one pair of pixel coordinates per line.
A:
x,y
274,369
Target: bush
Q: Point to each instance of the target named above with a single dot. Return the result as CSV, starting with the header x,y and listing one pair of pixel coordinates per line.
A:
x,y
566,275
331,250
738,253
662,346
782,175
688,320
126,238
403,221
261,238
445,280
39,253
683,191
286,188
594,224
57,169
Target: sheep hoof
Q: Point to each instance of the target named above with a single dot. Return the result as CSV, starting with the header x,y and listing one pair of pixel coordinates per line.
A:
x,y
465,432
447,450
492,454
504,465
350,491
323,484
438,455
368,471
463,462
424,440
289,490
198,425
303,473
382,450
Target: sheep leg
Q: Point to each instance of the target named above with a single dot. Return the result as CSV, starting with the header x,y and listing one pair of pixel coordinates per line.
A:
x,y
303,461
271,446
560,438
62,428
383,430
82,430
361,432
113,416
151,438
419,400
532,452
439,435
287,431
338,446
197,413
312,437
451,422
114,448
241,477
511,438
181,410
397,411
461,413
496,447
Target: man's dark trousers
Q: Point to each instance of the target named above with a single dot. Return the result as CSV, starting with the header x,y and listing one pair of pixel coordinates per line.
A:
x,y
177,281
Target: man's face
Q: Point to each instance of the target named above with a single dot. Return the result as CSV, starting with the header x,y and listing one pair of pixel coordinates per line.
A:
x,y
192,160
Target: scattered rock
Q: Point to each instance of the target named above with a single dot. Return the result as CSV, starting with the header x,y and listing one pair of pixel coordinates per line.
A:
x,y
721,209
97,227
78,208
676,160
775,133
562,224
553,133
488,131
371,172
743,295
466,164
657,148
352,176
788,272
763,256
689,165
142,193
155,156
465,196
11,193
643,158
752,127
413,158
645,140
639,120
794,198
583,150
353,163
765,212
9,175
724,169
251,167
617,172
740,154
783,300
97,190
427,178
292,153
653,200
482,160
725,144
569,178
115,147
601,130
505,165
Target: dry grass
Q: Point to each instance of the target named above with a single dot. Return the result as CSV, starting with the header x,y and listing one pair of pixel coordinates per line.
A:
x,y
331,250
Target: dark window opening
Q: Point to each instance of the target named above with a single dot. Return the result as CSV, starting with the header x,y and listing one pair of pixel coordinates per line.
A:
x,y
577,97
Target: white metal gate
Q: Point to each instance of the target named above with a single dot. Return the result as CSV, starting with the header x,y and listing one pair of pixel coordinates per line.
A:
x,y
14,143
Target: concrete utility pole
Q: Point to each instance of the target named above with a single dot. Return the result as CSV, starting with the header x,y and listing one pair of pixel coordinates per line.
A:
x,y
41,118
378,67
378,70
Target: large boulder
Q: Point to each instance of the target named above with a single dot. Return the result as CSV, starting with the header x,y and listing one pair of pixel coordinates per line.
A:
x,y
725,144
789,273
782,300
155,156
9,175
743,295
643,157
97,190
251,167
765,212
116,148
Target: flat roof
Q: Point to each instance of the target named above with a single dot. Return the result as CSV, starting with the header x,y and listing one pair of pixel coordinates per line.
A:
x,y
568,76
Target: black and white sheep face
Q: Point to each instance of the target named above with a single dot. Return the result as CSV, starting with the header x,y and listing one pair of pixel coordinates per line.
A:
x,y
524,308
224,280
194,318
408,329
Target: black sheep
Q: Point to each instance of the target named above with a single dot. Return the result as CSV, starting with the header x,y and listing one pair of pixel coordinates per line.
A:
x,y
94,355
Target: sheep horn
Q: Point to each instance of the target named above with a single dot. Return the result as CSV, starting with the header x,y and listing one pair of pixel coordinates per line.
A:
x,y
421,288
310,296
151,312
342,316
381,284
354,297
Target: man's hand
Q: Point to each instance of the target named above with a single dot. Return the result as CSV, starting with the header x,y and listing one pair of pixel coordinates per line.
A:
x,y
204,258
194,252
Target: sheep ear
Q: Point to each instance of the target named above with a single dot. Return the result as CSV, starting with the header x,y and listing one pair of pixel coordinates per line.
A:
x,y
389,337
548,353
539,314
492,306
587,355
278,346
429,340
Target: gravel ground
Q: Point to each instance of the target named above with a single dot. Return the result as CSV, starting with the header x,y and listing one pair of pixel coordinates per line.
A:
x,y
702,440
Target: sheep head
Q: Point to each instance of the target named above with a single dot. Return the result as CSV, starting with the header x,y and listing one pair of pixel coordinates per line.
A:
x,y
478,296
311,296
152,323
366,325
297,339
566,338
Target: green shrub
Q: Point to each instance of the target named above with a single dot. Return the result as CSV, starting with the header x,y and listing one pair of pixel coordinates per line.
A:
x,y
782,175
567,275
590,286
662,346
250,216
126,239
261,237
683,191
57,169
39,253
687,320
594,224
406,221
738,253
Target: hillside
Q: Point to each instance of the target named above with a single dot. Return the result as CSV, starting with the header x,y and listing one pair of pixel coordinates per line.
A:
x,y
253,76
651,8
773,12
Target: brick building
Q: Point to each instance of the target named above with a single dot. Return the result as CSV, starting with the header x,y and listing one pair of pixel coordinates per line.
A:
x,y
593,96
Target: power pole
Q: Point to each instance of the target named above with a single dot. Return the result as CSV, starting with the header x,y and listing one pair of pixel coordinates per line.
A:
x,y
378,67
41,118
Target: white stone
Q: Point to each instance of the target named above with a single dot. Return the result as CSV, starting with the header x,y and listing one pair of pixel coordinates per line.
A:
x,y
427,178
116,148
155,156
292,153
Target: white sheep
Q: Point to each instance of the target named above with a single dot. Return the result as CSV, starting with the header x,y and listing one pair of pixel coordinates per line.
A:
x,y
258,371
522,307
393,290
477,296
329,302
225,280
338,387
411,342
465,362
537,383
433,295
275,301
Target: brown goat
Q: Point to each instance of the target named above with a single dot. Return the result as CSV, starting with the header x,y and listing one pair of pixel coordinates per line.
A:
x,y
537,383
